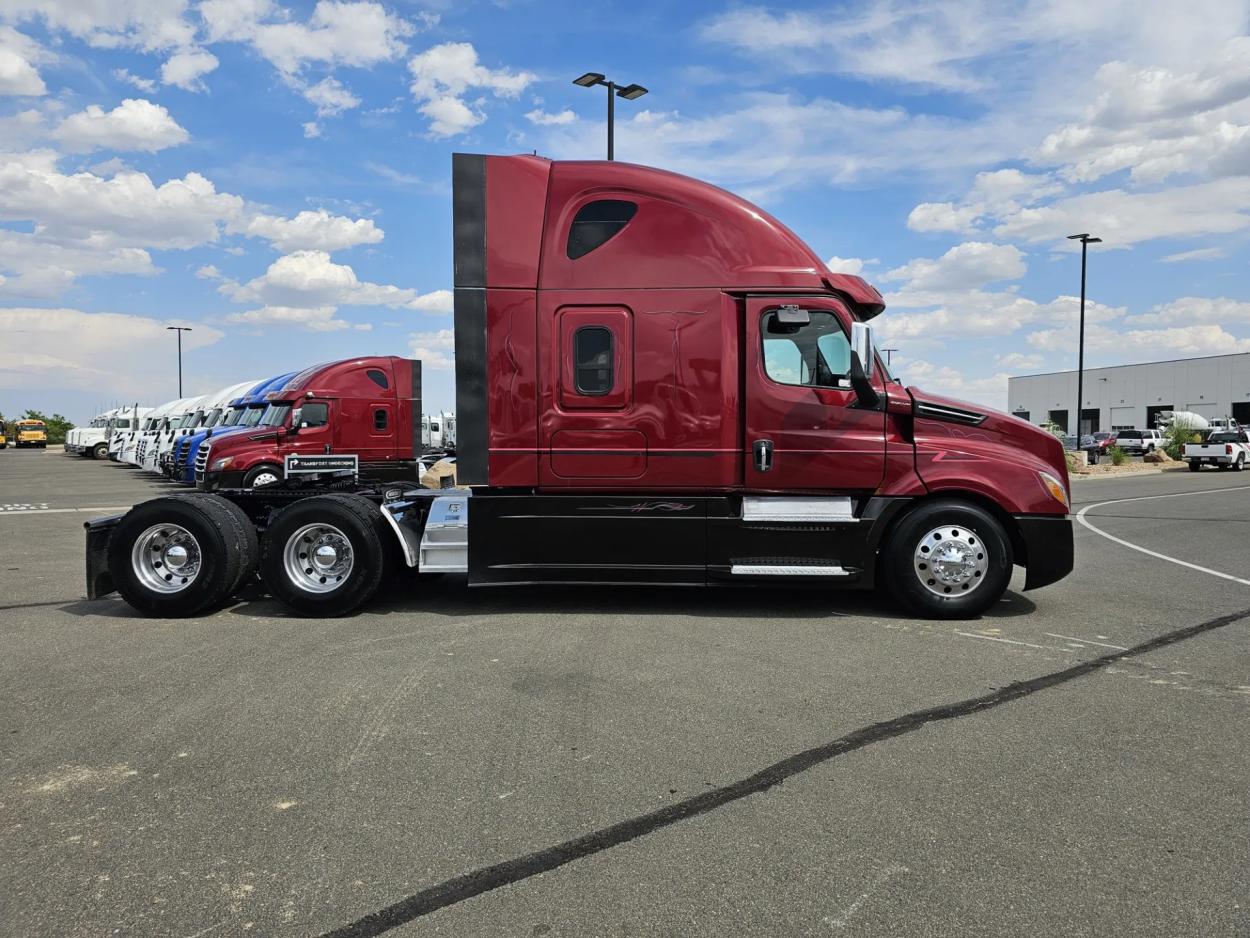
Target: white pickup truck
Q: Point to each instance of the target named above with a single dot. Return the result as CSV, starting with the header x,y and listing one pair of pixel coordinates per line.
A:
x,y
1223,449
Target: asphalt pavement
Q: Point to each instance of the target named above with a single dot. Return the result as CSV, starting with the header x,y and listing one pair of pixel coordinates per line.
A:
x,y
617,762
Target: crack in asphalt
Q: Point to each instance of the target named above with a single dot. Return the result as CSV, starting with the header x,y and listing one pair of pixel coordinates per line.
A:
x,y
488,878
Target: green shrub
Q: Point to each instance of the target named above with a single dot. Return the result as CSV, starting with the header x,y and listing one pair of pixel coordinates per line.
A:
x,y
1177,435
1117,456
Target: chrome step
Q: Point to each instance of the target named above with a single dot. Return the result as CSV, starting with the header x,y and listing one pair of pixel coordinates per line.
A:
x,y
799,508
768,569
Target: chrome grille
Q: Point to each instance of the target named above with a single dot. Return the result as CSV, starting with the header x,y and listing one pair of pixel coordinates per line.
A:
x,y
201,461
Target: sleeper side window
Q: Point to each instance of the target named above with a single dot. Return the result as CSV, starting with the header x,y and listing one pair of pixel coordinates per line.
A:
x,y
592,360
596,223
378,377
379,419
807,348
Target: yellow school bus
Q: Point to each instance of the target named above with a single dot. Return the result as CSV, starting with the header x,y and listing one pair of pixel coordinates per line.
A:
x,y
30,433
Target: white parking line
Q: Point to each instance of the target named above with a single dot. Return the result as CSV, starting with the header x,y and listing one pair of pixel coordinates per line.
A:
x,y
1008,641
62,511
1080,517
1086,641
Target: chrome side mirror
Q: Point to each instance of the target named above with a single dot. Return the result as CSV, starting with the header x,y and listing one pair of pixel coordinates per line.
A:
x,y
862,345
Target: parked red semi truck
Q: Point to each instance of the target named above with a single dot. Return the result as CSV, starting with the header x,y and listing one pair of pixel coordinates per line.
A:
x,y
367,407
656,382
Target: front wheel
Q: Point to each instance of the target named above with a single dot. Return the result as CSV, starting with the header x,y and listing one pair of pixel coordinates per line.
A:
x,y
100,451
262,475
324,556
948,560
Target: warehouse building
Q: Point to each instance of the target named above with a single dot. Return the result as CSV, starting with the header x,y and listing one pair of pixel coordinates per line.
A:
x,y
1126,396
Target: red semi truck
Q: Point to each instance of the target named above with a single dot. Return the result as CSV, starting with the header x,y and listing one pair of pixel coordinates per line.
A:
x,y
656,382
367,407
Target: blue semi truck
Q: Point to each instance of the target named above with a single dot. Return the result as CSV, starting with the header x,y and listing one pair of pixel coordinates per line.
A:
x,y
245,412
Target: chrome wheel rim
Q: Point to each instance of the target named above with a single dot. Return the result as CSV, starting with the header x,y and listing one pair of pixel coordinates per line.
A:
x,y
318,558
265,478
166,558
951,561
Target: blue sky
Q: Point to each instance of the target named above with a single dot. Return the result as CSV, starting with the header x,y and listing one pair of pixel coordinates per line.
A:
x,y
277,175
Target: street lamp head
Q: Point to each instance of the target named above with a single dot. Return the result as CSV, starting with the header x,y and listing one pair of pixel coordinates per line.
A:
x,y
631,92
589,80
179,329
1080,237
1093,240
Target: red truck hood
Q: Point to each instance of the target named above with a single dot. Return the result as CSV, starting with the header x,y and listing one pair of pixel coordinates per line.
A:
x,y
959,444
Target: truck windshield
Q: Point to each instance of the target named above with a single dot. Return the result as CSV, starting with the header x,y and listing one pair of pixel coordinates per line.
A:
x,y
1129,435
276,415
253,415
235,415
212,418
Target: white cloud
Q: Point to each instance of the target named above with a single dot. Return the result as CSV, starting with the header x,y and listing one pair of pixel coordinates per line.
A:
x,y
186,67
1123,218
311,230
547,119
71,349
146,85
38,268
359,34
442,74
1188,310
845,265
309,279
1199,254
437,350
127,210
982,313
1158,122
135,124
964,267
997,192
312,130
1020,361
18,57
316,318
147,25
331,97
1140,345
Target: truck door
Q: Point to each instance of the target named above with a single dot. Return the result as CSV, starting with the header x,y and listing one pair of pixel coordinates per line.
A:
x,y
311,419
804,431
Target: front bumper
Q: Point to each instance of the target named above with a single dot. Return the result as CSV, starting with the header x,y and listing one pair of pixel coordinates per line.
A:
x,y
1047,541
212,481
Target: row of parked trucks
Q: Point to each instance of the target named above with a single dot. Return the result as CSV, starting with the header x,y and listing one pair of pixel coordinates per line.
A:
x,y
656,383
243,435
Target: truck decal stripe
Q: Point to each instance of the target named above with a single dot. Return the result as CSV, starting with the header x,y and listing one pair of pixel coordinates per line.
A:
x,y
468,186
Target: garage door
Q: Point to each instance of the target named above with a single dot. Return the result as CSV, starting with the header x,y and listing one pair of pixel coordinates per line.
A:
x,y
1206,410
1123,418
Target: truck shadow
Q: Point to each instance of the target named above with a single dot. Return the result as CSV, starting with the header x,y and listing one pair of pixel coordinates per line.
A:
x,y
450,596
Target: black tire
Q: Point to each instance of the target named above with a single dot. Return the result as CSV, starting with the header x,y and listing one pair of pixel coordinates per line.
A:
x,y
257,472
1195,466
984,538
223,549
358,520
245,530
1240,463
100,451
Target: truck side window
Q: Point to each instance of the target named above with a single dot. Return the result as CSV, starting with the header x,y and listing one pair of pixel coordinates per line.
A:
x,y
592,360
379,419
813,354
314,414
596,223
378,377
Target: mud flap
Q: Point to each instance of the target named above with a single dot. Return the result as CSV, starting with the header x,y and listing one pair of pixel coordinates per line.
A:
x,y
99,533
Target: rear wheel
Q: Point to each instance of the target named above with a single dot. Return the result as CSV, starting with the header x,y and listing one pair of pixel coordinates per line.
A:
x,y
324,556
1240,463
262,475
948,560
179,556
1195,466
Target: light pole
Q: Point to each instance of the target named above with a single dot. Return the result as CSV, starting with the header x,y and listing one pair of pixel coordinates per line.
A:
x,y
628,92
1086,241
889,355
180,330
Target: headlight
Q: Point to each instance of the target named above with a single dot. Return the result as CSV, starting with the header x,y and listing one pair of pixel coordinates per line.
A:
x,y
219,464
1055,488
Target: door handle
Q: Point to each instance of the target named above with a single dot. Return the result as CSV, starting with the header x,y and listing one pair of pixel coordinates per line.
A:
x,y
763,455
